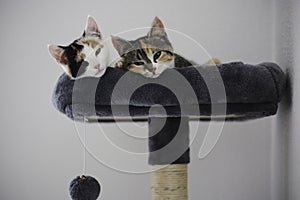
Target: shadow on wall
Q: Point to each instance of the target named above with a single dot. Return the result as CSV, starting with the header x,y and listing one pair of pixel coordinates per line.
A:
x,y
285,149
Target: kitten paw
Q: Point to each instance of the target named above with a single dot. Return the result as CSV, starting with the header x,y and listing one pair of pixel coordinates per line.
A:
x,y
213,61
120,64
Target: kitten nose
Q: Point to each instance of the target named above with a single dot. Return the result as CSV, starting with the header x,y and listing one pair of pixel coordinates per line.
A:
x,y
149,67
97,66
153,70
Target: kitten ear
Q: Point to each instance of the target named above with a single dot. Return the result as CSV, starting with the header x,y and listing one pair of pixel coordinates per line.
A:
x,y
91,28
157,28
57,53
122,46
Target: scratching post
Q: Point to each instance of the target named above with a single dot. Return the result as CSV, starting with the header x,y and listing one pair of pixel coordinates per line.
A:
x,y
169,155
169,182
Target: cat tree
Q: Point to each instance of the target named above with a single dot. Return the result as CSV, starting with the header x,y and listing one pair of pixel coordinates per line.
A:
x,y
232,92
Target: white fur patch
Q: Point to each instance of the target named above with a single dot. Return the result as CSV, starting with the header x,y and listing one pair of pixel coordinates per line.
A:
x,y
97,63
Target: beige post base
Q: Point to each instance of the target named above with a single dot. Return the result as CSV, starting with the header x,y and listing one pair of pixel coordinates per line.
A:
x,y
169,183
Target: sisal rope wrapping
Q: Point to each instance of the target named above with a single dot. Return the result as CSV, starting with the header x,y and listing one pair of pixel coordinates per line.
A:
x,y
169,183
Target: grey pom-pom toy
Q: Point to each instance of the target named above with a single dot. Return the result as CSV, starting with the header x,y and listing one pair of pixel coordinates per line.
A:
x,y
84,188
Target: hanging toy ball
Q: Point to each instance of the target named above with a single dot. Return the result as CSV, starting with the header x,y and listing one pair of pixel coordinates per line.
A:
x,y
84,188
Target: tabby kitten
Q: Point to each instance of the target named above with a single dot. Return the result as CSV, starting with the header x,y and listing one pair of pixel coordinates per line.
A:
x,y
149,55
86,56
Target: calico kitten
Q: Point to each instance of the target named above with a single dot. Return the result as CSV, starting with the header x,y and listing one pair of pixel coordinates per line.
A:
x,y
149,55
86,56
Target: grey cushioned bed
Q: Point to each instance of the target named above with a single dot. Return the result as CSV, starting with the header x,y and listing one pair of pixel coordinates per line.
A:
x,y
234,91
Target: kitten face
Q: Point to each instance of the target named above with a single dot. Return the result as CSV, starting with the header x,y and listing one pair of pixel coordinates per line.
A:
x,y
86,56
149,55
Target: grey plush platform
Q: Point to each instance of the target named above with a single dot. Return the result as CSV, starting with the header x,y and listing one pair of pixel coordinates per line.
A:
x,y
243,92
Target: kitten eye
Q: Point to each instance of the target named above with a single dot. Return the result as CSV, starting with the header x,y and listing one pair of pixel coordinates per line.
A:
x,y
98,51
156,56
138,63
84,64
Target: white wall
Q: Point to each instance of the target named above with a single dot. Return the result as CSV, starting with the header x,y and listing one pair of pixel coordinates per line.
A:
x,y
39,149
285,137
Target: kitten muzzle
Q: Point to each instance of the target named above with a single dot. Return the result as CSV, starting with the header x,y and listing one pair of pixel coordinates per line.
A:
x,y
97,66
